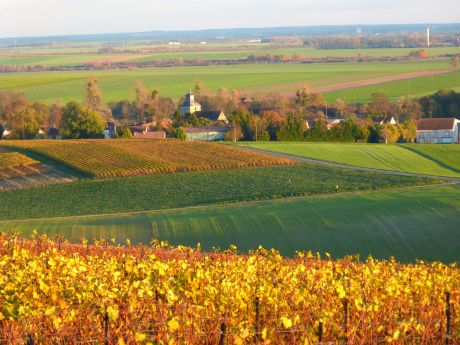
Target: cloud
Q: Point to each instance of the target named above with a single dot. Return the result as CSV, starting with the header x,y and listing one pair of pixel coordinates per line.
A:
x,y
54,17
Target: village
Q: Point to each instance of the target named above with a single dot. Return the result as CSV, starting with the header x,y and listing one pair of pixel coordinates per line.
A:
x,y
214,125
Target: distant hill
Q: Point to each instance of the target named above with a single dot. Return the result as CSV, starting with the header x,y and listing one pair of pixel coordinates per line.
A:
x,y
238,33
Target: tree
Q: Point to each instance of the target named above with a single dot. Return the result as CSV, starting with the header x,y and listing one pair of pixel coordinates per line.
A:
x,y
293,129
341,107
389,133
24,123
93,98
408,131
141,101
454,63
408,108
42,112
379,105
126,133
55,115
180,134
233,133
81,122
11,102
198,87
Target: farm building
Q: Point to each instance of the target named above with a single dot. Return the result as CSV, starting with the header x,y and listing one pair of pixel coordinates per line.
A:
x,y
209,133
384,120
438,131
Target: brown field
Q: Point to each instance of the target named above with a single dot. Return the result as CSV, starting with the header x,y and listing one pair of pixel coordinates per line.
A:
x,y
343,85
130,157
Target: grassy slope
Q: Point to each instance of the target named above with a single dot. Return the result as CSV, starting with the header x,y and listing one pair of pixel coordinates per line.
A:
x,y
408,224
186,189
439,160
172,82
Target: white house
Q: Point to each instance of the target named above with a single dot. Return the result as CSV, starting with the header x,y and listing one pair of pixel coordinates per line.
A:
x,y
438,131
384,120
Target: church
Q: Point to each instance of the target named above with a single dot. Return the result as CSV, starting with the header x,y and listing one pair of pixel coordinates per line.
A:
x,y
190,106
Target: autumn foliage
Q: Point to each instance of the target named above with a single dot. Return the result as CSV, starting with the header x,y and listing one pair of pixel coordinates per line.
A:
x,y
55,292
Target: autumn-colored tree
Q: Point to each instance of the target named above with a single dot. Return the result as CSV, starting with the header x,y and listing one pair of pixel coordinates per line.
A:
x,y
233,133
141,101
342,107
80,121
408,108
181,134
379,105
93,98
42,112
389,133
198,87
454,63
11,102
55,115
24,123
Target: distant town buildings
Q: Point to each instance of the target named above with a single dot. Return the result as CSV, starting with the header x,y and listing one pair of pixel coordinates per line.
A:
x,y
191,106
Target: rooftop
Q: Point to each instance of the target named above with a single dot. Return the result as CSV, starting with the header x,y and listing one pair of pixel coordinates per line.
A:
x,y
436,124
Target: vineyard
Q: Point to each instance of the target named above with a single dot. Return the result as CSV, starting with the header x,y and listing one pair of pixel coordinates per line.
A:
x,y
116,158
18,172
55,292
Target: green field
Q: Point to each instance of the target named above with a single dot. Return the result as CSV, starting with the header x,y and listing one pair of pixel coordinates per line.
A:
x,y
187,189
412,223
441,160
251,79
51,57
415,87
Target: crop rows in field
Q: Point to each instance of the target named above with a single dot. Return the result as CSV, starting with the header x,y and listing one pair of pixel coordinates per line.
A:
x,y
90,196
115,158
14,159
18,171
59,293
33,181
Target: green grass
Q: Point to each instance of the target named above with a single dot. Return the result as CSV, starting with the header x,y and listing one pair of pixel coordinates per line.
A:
x,y
408,224
53,57
441,160
173,82
415,87
51,60
188,189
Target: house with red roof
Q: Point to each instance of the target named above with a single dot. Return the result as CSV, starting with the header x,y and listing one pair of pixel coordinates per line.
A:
x,y
438,131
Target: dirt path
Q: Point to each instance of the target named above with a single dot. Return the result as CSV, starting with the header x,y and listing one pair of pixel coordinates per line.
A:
x,y
452,180
379,80
280,88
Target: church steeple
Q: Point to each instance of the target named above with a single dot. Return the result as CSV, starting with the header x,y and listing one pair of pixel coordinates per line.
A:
x,y
189,106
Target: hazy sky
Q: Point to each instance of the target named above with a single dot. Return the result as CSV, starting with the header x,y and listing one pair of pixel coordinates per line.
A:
x,y
58,17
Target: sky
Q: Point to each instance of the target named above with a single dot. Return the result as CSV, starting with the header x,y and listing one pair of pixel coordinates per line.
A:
x,y
63,17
